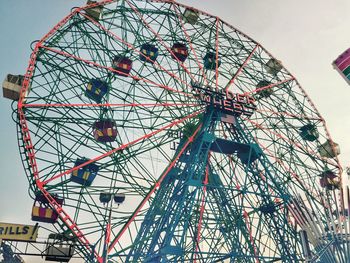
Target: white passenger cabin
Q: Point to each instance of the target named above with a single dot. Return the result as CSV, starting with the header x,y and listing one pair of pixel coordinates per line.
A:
x,y
12,86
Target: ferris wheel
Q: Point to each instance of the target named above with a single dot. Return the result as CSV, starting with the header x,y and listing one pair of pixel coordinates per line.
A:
x,y
151,131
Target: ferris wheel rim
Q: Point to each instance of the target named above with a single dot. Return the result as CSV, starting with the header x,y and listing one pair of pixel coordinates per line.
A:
x,y
25,88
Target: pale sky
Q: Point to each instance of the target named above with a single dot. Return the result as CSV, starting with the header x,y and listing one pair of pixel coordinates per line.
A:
x,y
305,35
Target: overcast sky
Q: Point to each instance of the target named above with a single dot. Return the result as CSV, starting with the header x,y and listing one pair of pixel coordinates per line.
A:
x,y
305,35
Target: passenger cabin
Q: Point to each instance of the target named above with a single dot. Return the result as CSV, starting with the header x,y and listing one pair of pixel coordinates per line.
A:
x,y
190,16
329,180
94,12
59,248
148,53
105,130
309,132
268,208
96,90
262,90
210,61
179,51
122,65
84,175
12,86
329,149
105,198
42,212
273,66
119,198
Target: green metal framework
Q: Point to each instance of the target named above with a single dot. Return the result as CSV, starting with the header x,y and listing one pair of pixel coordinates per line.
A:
x,y
154,108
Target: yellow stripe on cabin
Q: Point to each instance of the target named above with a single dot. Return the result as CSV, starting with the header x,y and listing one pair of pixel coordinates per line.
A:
x,y
35,211
89,87
48,213
86,175
75,173
109,131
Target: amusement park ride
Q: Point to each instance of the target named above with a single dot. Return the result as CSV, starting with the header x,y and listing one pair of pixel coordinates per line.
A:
x,y
151,131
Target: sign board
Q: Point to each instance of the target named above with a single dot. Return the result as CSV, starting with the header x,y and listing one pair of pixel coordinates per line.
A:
x,y
237,104
18,232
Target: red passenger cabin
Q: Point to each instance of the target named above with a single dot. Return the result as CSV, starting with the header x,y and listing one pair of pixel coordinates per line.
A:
x,y
329,180
179,51
122,65
42,212
105,130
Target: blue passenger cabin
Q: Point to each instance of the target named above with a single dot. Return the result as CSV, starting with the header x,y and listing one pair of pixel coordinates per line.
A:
x,y
119,198
122,65
268,208
41,210
105,130
309,132
179,51
84,175
105,198
149,53
96,90
210,61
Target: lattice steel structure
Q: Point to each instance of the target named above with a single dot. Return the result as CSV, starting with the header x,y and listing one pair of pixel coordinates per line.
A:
x,y
207,137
